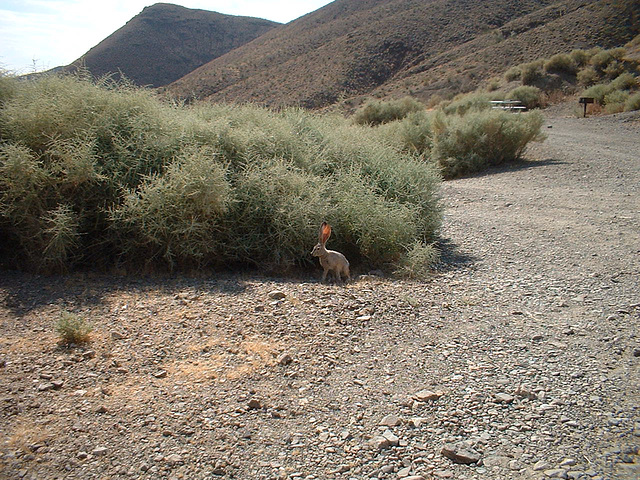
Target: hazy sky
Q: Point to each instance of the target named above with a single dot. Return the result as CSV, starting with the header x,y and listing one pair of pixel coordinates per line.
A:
x,y
42,34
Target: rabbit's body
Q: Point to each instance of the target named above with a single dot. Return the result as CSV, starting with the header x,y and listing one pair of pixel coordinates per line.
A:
x,y
330,260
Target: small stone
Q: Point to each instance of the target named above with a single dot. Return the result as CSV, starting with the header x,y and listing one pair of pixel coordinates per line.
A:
x,y
636,352
525,392
568,462
460,453
117,335
57,384
160,374
174,459
284,359
496,461
99,451
556,473
427,395
379,443
101,409
277,295
503,398
391,421
404,472
541,465
391,438
82,455
254,404
44,387
417,422
414,477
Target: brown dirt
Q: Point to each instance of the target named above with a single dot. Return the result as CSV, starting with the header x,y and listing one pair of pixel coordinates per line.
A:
x,y
527,335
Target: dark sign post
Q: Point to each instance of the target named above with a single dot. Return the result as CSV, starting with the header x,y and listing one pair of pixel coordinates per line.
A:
x,y
585,101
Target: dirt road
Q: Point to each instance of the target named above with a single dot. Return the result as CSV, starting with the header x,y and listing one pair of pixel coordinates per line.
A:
x,y
519,359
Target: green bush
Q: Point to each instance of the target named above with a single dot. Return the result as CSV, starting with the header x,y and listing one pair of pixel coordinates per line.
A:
x,y
73,329
378,112
418,261
531,97
580,57
632,103
615,101
531,72
598,92
588,76
513,73
95,175
468,144
561,63
470,102
625,81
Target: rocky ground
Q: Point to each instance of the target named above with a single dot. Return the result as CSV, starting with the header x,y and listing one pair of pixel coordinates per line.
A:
x,y
518,359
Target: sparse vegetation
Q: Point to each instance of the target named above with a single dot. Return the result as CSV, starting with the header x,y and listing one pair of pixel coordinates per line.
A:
x,y
73,329
531,97
377,112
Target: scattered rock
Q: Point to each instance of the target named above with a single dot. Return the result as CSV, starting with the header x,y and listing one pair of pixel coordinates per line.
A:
x,y
503,398
174,459
277,295
460,453
391,421
99,451
254,404
427,395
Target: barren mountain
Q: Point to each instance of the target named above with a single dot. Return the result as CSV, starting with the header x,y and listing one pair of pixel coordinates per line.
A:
x,y
165,42
385,48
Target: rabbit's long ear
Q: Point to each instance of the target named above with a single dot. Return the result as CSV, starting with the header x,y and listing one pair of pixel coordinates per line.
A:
x,y
325,232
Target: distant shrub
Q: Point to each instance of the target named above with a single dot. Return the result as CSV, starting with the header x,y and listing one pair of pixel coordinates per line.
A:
x,y
580,57
413,132
513,73
609,63
561,63
588,76
615,101
531,72
470,102
7,87
493,84
478,140
73,329
632,103
598,92
378,112
625,81
531,97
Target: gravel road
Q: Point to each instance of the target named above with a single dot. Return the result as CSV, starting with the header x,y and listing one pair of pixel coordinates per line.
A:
x,y
518,359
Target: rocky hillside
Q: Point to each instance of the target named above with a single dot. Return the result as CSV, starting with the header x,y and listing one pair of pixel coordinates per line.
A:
x,y
353,48
165,42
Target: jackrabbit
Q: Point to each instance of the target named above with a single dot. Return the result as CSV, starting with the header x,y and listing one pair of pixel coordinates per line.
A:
x,y
331,261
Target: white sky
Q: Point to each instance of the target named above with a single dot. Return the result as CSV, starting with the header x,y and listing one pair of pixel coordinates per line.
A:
x,y
37,35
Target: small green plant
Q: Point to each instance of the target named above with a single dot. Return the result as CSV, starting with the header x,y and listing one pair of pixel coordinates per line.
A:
x,y
598,92
580,57
513,74
419,261
560,63
632,103
531,97
531,72
73,329
588,76
378,112
625,81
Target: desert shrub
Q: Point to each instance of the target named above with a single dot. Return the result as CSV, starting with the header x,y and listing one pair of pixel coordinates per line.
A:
x,y
379,111
478,140
493,84
413,132
7,87
603,58
598,92
531,72
615,100
632,103
625,81
588,76
513,73
94,175
561,63
470,102
418,261
580,57
531,97
73,329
